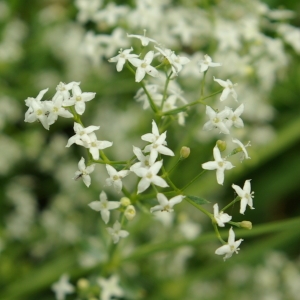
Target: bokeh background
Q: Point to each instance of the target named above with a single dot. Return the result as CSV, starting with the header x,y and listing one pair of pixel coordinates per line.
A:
x,y
46,227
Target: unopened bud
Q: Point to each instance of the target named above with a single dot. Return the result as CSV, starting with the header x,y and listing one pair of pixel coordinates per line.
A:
x,y
221,145
246,225
125,201
83,284
185,152
129,212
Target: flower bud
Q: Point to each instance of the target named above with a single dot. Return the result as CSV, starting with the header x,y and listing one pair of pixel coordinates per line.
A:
x,y
246,225
129,212
221,145
125,201
185,152
83,284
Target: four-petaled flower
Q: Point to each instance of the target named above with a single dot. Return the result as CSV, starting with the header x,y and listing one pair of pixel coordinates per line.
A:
x,y
143,66
233,117
220,217
121,58
144,40
62,287
115,177
104,206
242,148
110,287
150,176
165,204
78,99
245,194
206,63
84,172
158,142
218,164
217,120
230,247
228,89
116,232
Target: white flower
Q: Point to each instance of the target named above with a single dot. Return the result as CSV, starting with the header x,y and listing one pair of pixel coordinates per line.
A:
x,y
220,217
217,120
63,89
228,89
144,40
62,287
165,204
206,63
94,145
78,99
157,143
104,206
110,287
37,110
219,164
245,194
84,172
121,58
81,134
230,247
116,232
233,117
175,61
143,160
116,177
243,148
149,176
55,109
143,66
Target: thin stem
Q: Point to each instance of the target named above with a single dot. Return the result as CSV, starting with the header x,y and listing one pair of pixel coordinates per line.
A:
x,y
199,207
194,179
231,203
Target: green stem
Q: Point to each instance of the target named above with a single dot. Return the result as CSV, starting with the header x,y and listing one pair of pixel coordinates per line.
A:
x,y
231,203
194,179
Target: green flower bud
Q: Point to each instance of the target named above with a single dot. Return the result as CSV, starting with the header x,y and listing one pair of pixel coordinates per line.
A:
x,y
130,212
83,284
246,225
221,145
125,201
185,152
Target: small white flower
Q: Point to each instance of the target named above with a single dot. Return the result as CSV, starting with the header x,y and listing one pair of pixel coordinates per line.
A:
x,y
143,160
228,89
55,109
104,206
143,66
158,142
78,99
81,134
150,176
220,217
217,120
206,63
63,89
62,287
116,233
233,118
94,145
218,164
121,58
116,177
37,110
243,147
144,40
176,61
245,194
84,172
110,288
230,247
165,204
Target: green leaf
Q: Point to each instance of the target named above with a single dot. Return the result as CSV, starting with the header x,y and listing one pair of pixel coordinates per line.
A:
x,y
198,200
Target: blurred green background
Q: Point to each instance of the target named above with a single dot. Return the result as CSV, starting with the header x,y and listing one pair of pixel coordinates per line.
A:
x,y
46,227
